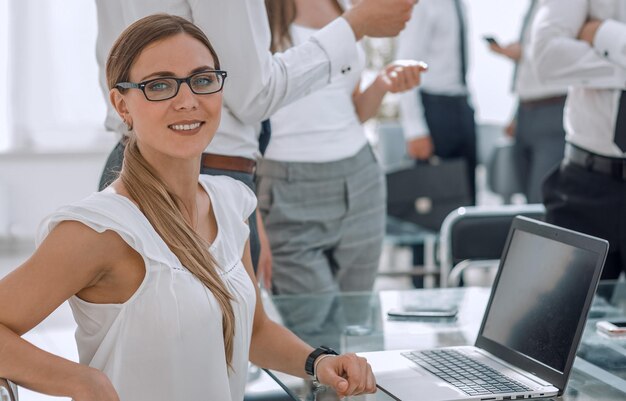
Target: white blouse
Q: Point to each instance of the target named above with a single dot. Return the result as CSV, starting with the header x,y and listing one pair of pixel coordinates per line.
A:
x,y
322,126
165,343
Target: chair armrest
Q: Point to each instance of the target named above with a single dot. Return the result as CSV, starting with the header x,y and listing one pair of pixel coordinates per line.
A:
x,y
8,390
454,278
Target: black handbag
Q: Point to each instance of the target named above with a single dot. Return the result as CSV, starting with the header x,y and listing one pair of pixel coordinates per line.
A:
x,y
428,191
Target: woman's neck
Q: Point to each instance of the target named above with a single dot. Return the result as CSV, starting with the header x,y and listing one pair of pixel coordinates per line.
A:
x,y
316,13
180,176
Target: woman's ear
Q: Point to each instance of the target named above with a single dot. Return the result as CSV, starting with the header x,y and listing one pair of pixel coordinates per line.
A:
x,y
119,103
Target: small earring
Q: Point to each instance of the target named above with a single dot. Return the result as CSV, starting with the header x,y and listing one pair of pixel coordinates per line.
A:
x,y
129,126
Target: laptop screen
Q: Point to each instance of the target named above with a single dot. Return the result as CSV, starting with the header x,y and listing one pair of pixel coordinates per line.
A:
x,y
539,298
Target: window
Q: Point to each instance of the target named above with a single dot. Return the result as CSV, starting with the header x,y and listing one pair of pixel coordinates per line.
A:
x,y
52,99
4,43
50,96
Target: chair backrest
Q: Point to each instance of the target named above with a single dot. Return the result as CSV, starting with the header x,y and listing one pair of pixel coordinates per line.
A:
x,y
392,147
478,233
502,175
8,390
488,136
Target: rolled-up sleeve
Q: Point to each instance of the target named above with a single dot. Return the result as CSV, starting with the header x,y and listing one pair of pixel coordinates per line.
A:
x,y
560,57
259,83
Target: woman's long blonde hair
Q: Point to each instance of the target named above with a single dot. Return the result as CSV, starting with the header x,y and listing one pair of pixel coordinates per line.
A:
x,y
142,182
281,14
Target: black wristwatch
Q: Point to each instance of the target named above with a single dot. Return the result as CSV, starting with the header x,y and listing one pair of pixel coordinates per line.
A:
x,y
309,365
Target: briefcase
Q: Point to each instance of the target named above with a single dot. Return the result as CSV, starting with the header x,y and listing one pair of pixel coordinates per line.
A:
x,y
428,191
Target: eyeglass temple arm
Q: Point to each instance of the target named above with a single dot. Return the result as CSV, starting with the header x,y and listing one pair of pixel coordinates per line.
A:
x,y
126,85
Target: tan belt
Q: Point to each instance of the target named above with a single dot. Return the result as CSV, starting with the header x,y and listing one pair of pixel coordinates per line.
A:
x,y
531,104
230,163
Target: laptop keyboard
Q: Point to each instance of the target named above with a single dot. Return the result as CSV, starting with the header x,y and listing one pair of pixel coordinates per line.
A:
x,y
466,374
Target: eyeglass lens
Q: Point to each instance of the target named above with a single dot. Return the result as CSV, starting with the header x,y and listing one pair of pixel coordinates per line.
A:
x,y
201,83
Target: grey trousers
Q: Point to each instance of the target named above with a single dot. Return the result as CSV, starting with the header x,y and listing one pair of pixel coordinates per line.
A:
x,y
325,222
539,145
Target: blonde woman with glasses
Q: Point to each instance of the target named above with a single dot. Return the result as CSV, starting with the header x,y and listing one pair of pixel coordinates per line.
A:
x,y
157,267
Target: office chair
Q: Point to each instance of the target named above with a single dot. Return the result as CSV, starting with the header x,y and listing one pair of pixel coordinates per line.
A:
x,y
502,175
488,137
473,237
8,390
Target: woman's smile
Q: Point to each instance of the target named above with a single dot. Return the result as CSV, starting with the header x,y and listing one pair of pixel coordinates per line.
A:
x,y
186,127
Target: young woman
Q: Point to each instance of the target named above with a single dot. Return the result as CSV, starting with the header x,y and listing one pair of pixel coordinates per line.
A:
x,y
321,191
157,266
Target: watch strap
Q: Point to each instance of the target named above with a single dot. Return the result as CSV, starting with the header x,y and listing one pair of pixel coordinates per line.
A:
x,y
309,365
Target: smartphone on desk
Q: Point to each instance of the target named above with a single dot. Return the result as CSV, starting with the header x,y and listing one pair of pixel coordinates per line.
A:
x,y
422,313
613,329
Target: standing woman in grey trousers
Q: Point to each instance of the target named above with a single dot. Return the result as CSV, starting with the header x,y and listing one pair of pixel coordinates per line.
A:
x,y
321,191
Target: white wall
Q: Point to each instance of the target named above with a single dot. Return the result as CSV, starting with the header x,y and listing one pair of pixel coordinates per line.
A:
x,y
37,184
53,93
490,74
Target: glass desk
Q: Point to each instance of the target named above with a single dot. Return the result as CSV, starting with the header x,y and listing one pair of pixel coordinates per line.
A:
x,y
358,322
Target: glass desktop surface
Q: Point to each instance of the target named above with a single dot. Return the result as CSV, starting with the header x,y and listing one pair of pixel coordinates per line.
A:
x,y
358,322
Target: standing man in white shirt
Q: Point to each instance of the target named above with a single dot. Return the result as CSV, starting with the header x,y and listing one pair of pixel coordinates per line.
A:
x,y
582,43
437,118
258,83
538,124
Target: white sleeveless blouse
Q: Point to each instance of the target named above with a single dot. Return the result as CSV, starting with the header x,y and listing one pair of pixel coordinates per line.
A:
x,y
165,343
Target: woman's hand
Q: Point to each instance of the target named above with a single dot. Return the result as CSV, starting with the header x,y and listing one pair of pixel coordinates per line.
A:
x,y
95,386
401,75
347,374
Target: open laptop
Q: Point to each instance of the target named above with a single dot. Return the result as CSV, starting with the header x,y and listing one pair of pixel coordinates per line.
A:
x,y
530,331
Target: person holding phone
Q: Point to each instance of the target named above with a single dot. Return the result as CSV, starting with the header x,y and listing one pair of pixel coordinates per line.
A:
x,y
437,118
538,123
157,267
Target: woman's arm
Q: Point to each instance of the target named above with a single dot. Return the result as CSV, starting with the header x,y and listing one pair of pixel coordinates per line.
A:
x,y
73,257
275,347
264,269
398,76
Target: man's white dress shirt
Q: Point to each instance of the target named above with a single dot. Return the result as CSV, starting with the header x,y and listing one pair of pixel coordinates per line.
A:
x,y
527,84
431,35
258,83
597,74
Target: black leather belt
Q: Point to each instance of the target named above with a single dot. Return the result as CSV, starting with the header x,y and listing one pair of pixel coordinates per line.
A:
x,y
611,166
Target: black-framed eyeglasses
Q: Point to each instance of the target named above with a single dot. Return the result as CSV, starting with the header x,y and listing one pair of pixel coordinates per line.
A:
x,y
200,83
